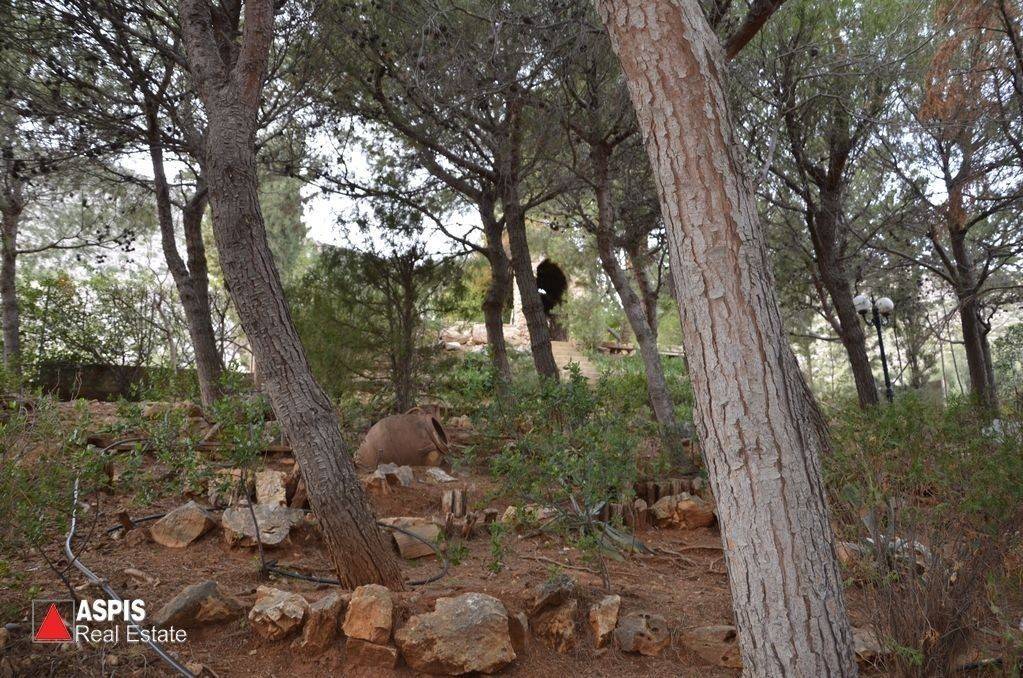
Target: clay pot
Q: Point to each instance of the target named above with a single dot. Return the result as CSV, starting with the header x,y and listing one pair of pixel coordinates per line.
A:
x,y
415,438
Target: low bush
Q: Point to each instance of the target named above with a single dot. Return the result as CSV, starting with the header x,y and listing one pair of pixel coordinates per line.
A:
x,y
931,498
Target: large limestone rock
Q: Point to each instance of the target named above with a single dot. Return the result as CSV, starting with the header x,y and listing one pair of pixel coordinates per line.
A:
x,y
370,614
604,618
182,526
396,475
556,627
643,633
270,488
198,605
409,547
362,653
683,510
323,621
465,634
717,645
275,523
277,614
552,593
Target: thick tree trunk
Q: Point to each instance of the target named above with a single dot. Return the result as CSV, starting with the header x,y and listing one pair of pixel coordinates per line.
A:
x,y
757,421
9,293
529,293
191,279
230,92
497,292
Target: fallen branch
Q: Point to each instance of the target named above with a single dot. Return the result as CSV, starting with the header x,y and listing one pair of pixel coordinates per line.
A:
x,y
567,566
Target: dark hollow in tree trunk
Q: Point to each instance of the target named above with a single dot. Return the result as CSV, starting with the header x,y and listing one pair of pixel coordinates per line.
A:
x,y
758,424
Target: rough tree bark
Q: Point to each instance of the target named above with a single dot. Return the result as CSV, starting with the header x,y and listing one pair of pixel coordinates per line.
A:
x,y
229,79
11,215
497,291
191,279
756,419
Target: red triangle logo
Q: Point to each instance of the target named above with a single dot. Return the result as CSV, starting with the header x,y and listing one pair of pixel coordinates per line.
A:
x,y
53,629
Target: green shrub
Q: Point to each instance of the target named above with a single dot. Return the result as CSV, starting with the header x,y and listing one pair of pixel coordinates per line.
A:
x,y
933,496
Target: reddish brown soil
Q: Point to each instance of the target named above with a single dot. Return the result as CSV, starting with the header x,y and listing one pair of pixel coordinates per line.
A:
x,y
688,589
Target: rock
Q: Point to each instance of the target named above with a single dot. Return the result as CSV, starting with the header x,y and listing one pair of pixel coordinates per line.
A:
x,y
866,645
642,632
159,410
717,645
300,499
223,488
604,618
439,475
556,627
372,655
682,510
270,489
375,484
465,634
182,526
552,593
277,614
322,622
141,577
848,553
410,547
198,605
518,629
370,614
275,523
396,475
529,515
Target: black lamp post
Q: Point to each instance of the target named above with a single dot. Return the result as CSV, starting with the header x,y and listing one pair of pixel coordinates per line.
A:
x,y
880,311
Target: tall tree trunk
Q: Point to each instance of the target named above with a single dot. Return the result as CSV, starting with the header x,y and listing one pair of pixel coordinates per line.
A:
x,y
757,420
12,204
823,225
9,292
637,314
529,293
191,279
854,339
510,162
497,292
231,93
982,385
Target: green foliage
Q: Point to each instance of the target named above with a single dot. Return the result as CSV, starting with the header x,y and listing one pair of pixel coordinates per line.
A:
x,y
41,454
1008,363
934,494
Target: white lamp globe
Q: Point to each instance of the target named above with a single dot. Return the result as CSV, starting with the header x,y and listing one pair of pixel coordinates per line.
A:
x,y
862,303
885,306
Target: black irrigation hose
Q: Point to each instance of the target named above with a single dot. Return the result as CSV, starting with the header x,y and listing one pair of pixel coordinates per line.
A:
x,y
94,579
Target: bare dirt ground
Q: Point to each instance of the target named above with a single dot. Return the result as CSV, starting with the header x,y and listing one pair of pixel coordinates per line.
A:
x,y
685,583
